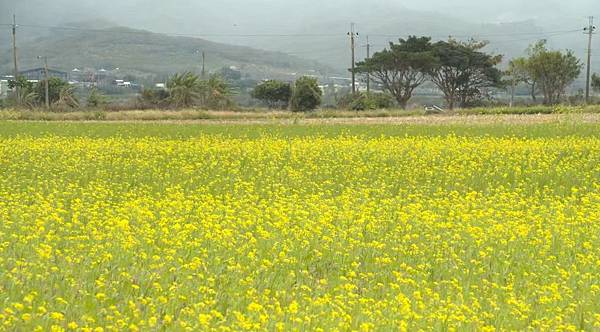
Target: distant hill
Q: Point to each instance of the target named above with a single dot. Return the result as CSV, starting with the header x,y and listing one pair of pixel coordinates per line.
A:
x,y
304,31
143,52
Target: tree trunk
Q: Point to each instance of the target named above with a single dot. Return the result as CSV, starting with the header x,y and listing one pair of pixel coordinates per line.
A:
x,y
402,99
450,101
533,97
403,104
512,93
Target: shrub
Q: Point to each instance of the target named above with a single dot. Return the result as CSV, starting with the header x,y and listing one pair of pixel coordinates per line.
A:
x,y
366,101
56,86
153,98
274,93
307,95
96,99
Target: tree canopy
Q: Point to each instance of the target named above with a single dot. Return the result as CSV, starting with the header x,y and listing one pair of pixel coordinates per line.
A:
x,y
274,93
307,95
519,72
187,89
596,82
554,71
401,68
463,72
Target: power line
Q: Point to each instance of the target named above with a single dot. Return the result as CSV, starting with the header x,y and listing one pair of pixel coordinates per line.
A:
x,y
501,42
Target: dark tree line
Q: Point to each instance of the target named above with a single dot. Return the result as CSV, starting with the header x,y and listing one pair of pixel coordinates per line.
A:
x,y
60,93
304,95
185,90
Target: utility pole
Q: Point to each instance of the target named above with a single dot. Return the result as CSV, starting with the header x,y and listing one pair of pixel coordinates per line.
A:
x,y
353,35
46,81
203,55
590,32
16,63
513,86
368,72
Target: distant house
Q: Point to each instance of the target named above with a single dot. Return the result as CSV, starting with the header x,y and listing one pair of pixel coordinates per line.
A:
x,y
122,83
38,74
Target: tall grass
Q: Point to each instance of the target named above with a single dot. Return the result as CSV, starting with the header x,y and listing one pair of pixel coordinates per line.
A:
x,y
266,114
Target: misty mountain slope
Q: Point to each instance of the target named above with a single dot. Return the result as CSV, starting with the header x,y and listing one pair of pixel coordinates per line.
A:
x,y
316,30
384,24
152,53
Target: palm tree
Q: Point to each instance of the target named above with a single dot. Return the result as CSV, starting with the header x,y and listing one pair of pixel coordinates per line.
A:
x,y
28,99
185,89
216,92
66,98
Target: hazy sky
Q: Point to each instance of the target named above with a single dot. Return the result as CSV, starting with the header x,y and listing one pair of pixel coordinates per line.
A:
x,y
510,10
263,12
231,18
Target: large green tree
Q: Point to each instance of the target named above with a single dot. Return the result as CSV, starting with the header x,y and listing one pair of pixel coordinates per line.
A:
x,y
519,72
67,98
185,89
60,93
274,93
216,93
27,96
307,95
596,82
554,71
401,68
463,72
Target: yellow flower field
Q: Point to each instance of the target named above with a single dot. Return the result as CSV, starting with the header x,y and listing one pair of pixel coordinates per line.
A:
x,y
299,234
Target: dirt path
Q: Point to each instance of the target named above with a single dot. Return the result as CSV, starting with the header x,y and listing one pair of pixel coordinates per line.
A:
x,y
407,120
232,118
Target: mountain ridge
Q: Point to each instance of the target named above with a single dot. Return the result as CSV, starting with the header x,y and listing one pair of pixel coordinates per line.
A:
x,y
76,46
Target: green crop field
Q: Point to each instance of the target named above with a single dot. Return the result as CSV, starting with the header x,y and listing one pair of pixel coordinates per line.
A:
x,y
175,227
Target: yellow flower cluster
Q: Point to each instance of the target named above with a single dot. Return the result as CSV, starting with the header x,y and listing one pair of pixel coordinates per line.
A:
x,y
306,234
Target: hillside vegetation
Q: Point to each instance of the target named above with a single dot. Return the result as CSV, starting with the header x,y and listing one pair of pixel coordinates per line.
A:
x,y
151,53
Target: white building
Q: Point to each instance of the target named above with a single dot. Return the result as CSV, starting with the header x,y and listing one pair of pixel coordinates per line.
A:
x,y
3,88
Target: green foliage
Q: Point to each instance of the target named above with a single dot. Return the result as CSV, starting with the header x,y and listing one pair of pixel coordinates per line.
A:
x,y
55,85
274,93
306,95
519,72
22,83
230,74
185,89
463,72
66,98
401,68
596,82
366,101
27,96
188,90
553,70
216,93
143,52
153,98
96,99
31,95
